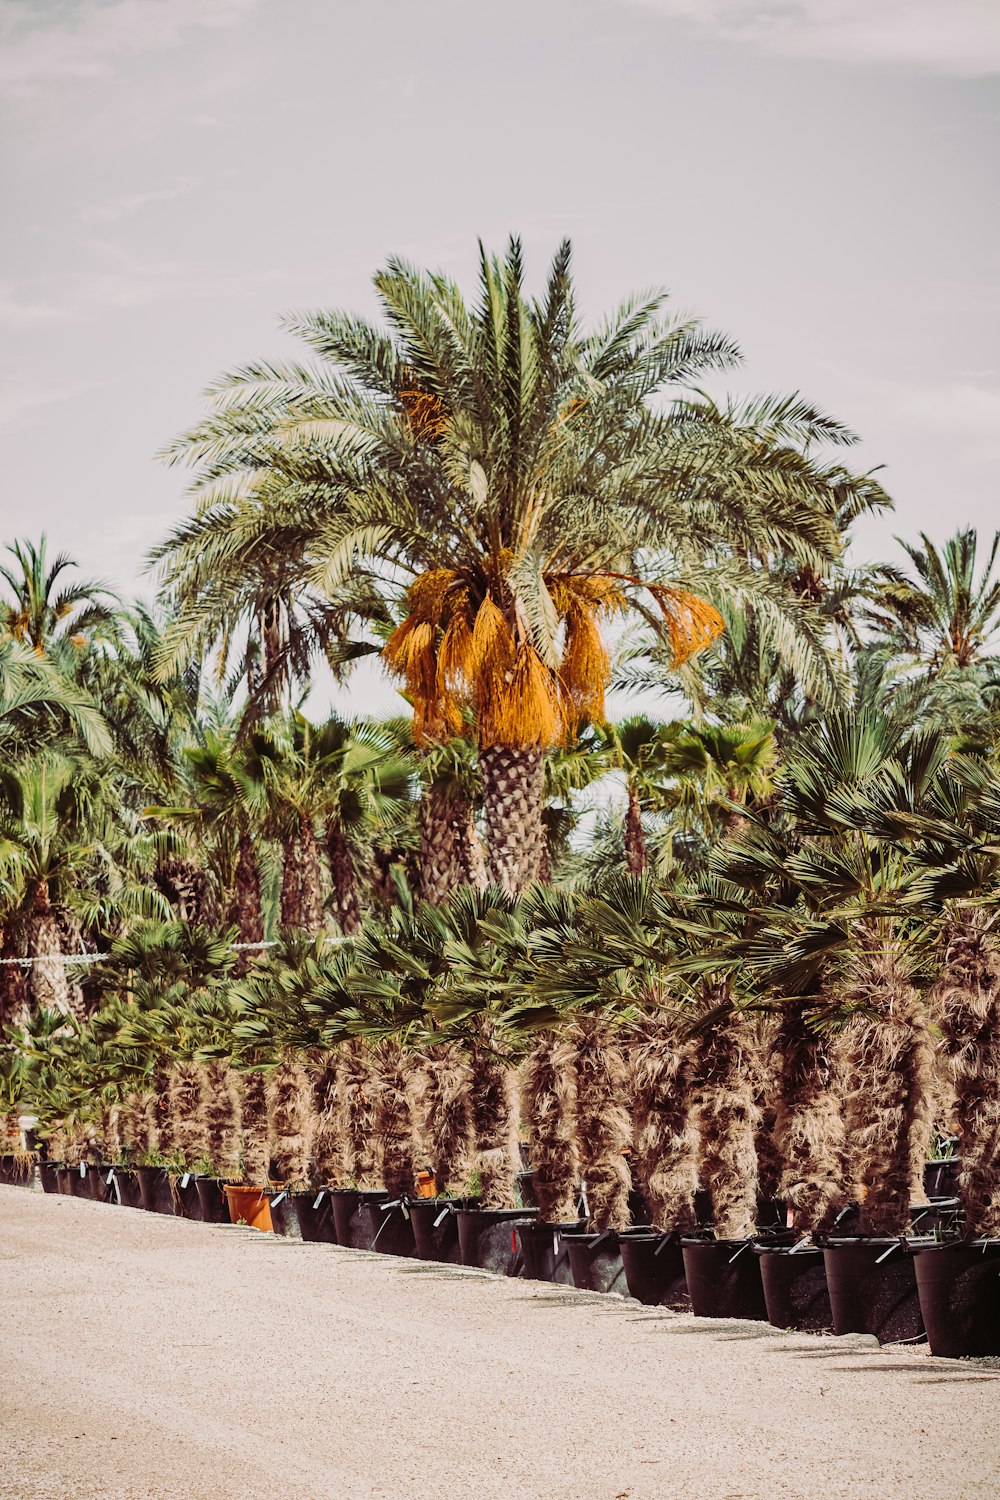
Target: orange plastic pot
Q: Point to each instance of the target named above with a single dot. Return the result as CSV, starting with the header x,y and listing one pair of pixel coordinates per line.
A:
x,y
426,1186
249,1205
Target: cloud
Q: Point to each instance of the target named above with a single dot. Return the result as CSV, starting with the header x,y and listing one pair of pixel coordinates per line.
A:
x,y
957,37
76,40
114,209
23,399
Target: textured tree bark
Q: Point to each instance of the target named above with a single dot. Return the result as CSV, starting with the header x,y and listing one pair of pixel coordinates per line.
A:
x,y
493,1143
440,1087
185,1108
255,1154
311,913
135,1123
291,884
344,879
15,996
246,896
602,1120
393,1129
512,807
356,1089
728,1118
50,986
164,1121
888,1062
189,891
635,836
220,1111
548,1112
808,1123
286,1109
327,1144
967,1000
450,852
665,1140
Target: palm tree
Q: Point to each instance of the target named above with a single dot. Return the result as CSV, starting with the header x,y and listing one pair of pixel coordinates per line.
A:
x,y
944,618
45,611
510,477
37,701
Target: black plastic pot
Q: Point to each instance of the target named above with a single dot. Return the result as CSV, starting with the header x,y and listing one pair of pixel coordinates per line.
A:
x,y
435,1229
96,1182
723,1279
941,1218
212,1200
314,1212
284,1219
122,1186
362,1224
48,1171
959,1291
596,1262
543,1250
17,1171
187,1203
873,1289
654,1268
154,1189
487,1238
941,1177
795,1290
71,1184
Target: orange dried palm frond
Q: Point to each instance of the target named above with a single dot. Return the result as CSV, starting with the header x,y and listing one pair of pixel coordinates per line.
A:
x,y
525,707
492,648
427,598
585,668
692,623
425,412
455,655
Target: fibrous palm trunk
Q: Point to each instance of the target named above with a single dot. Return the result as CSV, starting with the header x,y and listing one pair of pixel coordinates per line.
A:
x,y
291,884
450,852
660,1059
286,1108
50,986
255,1154
767,1081
15,998
808,1123
311,912
393,1129
967,999
356,1088
601,1121
220,1111
493,1127
188,889
728,1117
344,879
548,1111
512,808
635,835
135,1123
327,1144
887,1058
246,911
164,1120
440,1108
185,1108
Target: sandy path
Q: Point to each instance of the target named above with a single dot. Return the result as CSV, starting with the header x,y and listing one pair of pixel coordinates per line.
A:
x,y
151,1358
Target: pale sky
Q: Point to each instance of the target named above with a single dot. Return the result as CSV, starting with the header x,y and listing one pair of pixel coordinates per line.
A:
x,y
817,177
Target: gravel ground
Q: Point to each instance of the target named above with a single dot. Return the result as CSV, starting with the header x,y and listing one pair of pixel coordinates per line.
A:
x,y
147,1358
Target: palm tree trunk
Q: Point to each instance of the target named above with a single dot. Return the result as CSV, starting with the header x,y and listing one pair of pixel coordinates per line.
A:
x,y
493,1142
888,1058
808,1123
164,1122
255,1151
548,1111
450,852
345,881
661,1060
185,1109
356,1087
635,835
327,1147
602,1122
291,884
15,997
393,1127
50,987
220,1111
512,807
440,1108
286,1109
967,999
311,915
728,1118
246,896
